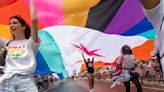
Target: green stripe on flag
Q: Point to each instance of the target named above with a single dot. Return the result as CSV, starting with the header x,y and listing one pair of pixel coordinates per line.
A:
x,y
149,34
51,53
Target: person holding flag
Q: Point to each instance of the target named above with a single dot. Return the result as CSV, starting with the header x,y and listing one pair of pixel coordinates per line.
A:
x,y
20,61
154,10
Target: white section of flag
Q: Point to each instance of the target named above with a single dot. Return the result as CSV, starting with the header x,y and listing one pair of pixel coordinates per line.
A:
x,y
109,44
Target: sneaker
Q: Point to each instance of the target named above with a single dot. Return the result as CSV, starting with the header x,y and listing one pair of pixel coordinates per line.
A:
x,y
93,90
90,90
112,86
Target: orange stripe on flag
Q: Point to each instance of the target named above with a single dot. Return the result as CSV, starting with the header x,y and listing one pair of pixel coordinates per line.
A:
x,y
17,8
143,52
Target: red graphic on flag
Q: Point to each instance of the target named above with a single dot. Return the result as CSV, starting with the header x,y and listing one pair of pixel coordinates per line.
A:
x,y
90,53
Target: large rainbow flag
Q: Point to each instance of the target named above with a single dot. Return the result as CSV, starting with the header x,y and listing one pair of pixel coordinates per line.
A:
x,y
98,26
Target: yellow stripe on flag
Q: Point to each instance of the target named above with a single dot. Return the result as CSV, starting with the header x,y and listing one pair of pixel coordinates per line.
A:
x,y
5,31
76,13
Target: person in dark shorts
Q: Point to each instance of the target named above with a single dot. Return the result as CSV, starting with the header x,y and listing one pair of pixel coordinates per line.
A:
x,y
127,62
90,68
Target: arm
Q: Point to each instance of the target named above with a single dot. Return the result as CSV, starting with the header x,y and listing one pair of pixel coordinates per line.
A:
x,y
134,64
93,59
150,4
118,64
34,27
83,57
155,50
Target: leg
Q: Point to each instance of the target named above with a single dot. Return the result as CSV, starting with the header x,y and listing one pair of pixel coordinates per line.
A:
x,y
162,66
137,84
127,86
92,80
26,84
141,79
161,51
8,85
116,82
89,81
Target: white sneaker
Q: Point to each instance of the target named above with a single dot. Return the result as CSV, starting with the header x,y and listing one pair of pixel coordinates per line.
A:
x,y
90,90
112,86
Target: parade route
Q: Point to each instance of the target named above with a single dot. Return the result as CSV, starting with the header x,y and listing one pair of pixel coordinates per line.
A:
x,y
100,86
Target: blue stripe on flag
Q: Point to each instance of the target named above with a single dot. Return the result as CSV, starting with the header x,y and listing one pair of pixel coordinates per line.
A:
x,y
143,26
42,67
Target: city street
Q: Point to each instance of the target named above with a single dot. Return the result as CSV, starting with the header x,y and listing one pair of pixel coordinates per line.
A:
x,y
100,86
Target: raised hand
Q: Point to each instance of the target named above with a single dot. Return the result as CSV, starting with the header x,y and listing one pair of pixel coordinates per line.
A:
x,y
34,26
83,57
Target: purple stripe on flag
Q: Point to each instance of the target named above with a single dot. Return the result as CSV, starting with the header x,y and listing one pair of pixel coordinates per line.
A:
x,y
129,14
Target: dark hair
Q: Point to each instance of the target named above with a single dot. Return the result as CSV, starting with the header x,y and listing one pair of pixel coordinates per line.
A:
x,y
89,60
126,49
27,31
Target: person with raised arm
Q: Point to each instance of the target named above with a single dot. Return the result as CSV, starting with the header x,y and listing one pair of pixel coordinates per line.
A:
x,y
20,61
90,68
